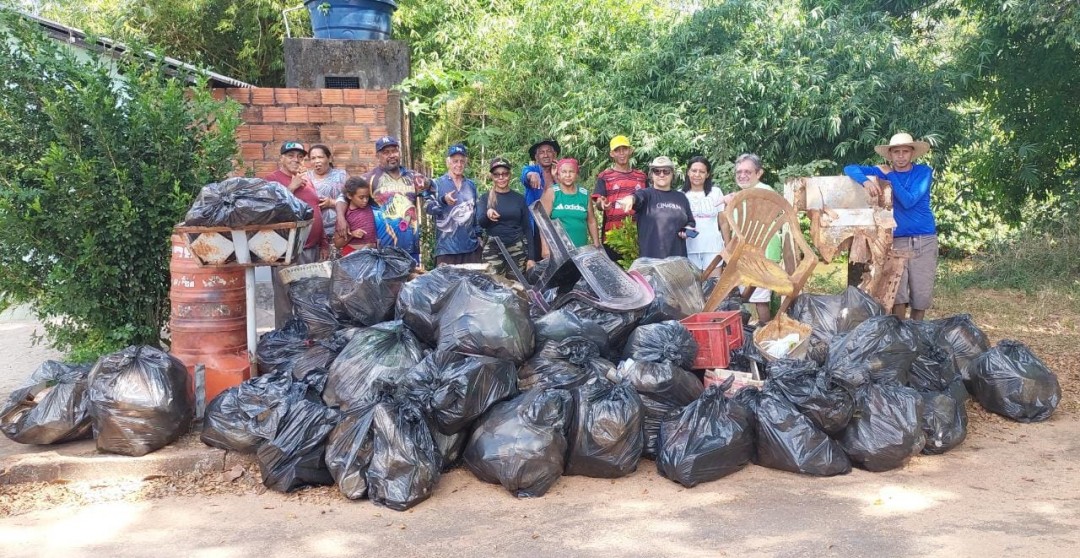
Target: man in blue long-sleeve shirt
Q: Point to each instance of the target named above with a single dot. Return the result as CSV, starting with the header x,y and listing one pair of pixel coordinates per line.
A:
x,y
915,230
453,206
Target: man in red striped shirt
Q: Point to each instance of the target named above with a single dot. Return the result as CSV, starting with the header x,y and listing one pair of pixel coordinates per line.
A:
x,y
614,184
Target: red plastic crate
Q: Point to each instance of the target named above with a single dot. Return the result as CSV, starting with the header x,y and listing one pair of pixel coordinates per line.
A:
x,y
717,334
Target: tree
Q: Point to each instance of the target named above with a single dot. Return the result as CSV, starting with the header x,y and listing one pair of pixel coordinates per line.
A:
x,y
243,39
101,161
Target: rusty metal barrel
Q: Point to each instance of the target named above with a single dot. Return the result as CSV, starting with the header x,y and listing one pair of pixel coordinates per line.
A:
x,y
208,319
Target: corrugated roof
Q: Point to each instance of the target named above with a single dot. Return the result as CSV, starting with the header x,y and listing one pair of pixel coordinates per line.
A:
x,y
78,38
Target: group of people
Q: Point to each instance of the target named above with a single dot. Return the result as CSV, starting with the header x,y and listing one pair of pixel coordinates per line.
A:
x,y
380,208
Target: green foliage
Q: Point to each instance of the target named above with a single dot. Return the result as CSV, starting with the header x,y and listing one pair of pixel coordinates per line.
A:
x,y
100,162
624,240
1043,253
242,39
1023,69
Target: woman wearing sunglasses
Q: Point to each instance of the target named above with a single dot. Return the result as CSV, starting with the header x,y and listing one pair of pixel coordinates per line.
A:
x,y
664,218
503,214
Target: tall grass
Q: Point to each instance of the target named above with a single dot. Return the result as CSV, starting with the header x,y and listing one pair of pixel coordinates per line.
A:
x,y
1043,254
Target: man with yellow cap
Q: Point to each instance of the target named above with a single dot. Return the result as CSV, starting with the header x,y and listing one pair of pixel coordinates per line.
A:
x,y
614,184
916,230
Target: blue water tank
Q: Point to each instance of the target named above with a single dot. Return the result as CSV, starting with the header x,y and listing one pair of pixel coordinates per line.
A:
x,y
351,19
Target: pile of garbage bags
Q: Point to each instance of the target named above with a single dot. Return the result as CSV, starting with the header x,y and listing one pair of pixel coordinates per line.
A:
x,y
379,384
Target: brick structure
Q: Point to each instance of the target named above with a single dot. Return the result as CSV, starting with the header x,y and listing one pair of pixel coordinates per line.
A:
x,y
347,120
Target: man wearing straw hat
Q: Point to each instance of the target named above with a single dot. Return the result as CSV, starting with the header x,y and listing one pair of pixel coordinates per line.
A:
x,y
915,230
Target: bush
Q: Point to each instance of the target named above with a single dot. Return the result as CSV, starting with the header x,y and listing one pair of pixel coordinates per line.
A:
x,y
100,161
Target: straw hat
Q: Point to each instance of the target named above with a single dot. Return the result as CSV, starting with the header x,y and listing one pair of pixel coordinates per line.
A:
x,y
920,148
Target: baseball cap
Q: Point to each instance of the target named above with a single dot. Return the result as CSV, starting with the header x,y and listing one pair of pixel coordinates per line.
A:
x,y
499,162
293,146
661,162
384,142
619,141
457,149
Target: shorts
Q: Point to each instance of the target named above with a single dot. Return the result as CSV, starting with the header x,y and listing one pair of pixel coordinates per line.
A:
x,y
702,260
760,295
917,280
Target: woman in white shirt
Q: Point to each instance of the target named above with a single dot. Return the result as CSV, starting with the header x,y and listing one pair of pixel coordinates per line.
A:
x,y
706,202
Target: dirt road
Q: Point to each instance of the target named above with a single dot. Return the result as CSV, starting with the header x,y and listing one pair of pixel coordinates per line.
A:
x,y
1013,491
1010,489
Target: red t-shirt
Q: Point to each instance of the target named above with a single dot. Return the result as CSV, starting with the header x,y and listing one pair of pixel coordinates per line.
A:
x,y
362,219
307,194
615,185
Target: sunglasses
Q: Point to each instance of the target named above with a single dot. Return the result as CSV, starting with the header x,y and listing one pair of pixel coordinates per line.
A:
x,y
661,172
500,174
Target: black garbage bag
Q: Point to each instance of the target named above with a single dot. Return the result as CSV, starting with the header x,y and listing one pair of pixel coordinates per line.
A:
x,y
665,341
563,364
491,321
405,463
450,446
416,301
242,417
743,358
349,448
830,315
521,443
664,387
750,398
880,350
618,325
709,439
454,389
675,285
886,429
734,304
238,202
51,408
789,441
381,353
311,303
605,436
560,324
141,400
856,307
812,390
321,353
1011,381
366,283
944,418
279,349
820,311
962,339
708,286
934,368
295,456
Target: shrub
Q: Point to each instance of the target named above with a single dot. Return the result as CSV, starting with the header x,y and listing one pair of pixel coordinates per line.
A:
x,y
100,161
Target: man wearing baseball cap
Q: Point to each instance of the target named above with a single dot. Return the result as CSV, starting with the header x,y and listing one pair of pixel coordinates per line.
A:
x,y
316,248
394,189
615,183
535,178
916,229
454,208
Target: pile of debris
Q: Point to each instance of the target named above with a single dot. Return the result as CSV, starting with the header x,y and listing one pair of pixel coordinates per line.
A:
x,y
379,384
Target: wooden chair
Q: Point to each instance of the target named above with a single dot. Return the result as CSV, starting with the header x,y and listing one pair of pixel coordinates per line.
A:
x,y
748,223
